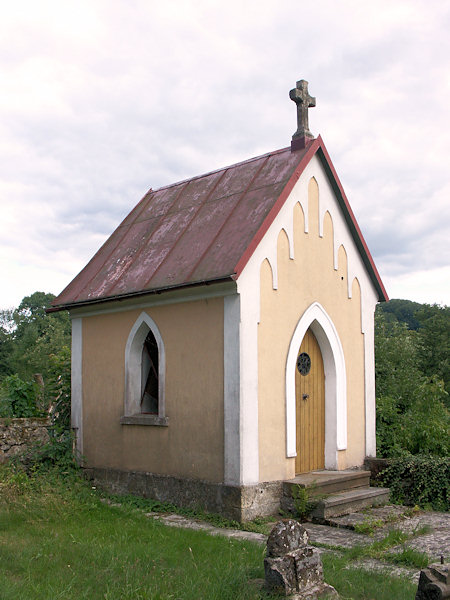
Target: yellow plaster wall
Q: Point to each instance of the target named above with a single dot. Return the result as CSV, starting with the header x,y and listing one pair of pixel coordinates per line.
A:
x,y
192,445
309,277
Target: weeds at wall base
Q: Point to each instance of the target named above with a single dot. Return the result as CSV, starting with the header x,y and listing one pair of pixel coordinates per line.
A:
x,y
258,525
368,526
305,500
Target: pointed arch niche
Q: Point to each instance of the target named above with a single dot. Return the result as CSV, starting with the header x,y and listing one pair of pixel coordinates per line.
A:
x,y
316,318
137,370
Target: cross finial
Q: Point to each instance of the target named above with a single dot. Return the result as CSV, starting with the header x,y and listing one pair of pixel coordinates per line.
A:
x,y
303,101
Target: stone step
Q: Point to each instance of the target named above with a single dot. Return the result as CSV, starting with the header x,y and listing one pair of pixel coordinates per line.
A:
x,y
320,483
352,500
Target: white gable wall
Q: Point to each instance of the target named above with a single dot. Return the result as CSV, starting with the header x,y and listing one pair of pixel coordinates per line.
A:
x,y
249,289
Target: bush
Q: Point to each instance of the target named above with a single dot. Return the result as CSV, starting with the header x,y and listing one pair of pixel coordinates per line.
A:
x,y
57,454
59,389
58,451
421,480
18,398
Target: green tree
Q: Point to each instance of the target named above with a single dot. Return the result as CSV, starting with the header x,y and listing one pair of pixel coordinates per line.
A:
x,y
426,425
411,414
403,311
36,336
434,329
397,372
7,326
30,340
432,322
33,342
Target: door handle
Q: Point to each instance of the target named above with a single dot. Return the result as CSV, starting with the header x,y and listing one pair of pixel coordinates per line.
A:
x,y
305,396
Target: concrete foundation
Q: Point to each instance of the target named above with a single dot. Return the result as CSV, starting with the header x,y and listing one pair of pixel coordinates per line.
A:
x,y
241,503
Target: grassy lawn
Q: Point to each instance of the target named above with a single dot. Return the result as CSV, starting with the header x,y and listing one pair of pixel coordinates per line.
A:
x,y
59,540
359,584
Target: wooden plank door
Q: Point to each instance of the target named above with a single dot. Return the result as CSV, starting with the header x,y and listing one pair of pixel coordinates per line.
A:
x,y
310,406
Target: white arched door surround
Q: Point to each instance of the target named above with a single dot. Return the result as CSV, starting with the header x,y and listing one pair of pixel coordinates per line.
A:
x,y
133,365
316,318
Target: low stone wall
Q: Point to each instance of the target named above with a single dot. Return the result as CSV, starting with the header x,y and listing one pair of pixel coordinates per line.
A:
x,y
376,466
241,503
16,435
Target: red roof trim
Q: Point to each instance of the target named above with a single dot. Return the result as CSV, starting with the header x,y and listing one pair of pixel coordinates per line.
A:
x,y
351,221
277,206
317,146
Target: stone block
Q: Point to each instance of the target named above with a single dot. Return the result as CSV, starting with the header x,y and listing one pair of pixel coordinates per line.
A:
x,y
292,568
376,466
286,537
260,500
308,566
18,435
434,583
280,574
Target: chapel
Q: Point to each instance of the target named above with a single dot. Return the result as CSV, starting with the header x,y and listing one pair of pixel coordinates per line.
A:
x,y
223,335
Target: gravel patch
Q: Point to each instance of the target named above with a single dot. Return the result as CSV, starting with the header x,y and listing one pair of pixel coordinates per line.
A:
x,y
333,536
180,521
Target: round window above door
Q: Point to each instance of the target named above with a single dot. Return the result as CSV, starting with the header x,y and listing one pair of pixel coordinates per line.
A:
x,y
303,363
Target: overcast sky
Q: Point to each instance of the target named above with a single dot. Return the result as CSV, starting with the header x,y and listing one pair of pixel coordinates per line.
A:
x,y
101,100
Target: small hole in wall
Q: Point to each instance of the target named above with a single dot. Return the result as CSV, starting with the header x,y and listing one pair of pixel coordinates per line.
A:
x,y
342,278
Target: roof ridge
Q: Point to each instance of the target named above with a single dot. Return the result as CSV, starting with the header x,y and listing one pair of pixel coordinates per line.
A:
x,y
243,162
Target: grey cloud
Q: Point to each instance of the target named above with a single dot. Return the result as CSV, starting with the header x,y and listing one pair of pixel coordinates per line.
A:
x,y
141,95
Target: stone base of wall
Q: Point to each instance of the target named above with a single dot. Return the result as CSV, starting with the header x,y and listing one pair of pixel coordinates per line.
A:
x,y
16,435
241,503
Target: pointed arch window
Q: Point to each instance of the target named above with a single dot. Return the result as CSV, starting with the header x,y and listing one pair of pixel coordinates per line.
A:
x,y
149,375
144,395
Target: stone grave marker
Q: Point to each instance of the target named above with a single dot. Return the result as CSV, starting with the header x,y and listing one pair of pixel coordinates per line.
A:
x,y
293,568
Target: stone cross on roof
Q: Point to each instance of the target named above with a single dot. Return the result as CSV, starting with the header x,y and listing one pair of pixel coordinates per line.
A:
x,y
303,101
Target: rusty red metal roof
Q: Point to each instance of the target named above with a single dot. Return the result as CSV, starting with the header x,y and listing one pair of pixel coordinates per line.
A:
x,y
200,230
